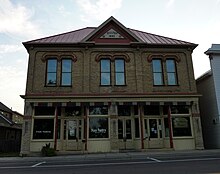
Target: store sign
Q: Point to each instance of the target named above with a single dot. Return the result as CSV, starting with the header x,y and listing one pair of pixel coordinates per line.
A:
x,y
112,34
98,130
180,123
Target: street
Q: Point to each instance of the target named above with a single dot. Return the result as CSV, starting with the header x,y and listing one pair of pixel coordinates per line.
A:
x,y
129,163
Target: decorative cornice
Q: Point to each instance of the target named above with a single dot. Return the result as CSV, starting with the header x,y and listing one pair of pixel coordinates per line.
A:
x,y
112,56
163,57
59,55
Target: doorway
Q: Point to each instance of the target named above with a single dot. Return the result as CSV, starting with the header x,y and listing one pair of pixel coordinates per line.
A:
x,y
73,134
153,136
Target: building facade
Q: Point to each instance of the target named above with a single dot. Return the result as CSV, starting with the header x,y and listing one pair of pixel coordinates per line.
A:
x,y
209,86
110,88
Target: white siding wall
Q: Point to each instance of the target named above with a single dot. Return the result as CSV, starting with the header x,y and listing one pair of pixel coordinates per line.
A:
x,y
208,112
215,65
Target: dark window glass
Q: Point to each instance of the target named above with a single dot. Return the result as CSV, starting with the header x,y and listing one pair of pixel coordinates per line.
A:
x,y
73,111
181,109
157,72
44,111
171,72
51,72
137,130
181,126
152,110
58,128
72,128
153,128
128,129
119,72
124,110
66,72
98,110
43,129
135,110
120,129
98,127
105,72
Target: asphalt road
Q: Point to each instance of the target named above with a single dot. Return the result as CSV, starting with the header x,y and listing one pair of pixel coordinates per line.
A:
x,y
128,163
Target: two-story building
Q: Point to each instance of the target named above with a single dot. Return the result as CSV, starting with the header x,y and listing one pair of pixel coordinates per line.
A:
x,y
110,88
209,86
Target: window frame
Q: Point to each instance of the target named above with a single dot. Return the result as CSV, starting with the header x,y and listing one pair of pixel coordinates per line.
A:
x,y
174,73
53,72
105,72
119,72
161,72
71,65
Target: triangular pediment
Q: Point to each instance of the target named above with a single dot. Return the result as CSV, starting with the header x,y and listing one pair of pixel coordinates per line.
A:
x,y
111,34
111,31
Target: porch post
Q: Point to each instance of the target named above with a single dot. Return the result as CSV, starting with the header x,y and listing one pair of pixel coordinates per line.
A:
x,y
141,124
170,127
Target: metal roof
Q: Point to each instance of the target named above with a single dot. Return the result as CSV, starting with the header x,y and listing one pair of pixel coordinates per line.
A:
x,y
81,36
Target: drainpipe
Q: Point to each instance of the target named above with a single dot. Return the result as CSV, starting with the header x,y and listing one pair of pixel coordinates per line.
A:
x,y
170,127
56,127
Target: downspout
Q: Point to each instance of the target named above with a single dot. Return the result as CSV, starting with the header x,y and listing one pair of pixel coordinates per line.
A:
x,y
56,127
170,127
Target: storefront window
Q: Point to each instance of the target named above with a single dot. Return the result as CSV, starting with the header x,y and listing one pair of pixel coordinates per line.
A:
x,y
180,125
98,110
137,130
98,127
43,129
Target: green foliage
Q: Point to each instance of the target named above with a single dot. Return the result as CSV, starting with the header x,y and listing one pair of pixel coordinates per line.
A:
x,y
48,151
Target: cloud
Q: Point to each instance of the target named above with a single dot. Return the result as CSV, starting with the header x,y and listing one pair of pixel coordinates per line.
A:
x,y
6,48
98,9
62,10
170,3
16,19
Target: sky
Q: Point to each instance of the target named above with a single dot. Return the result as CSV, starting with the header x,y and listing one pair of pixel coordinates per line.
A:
x,y
196,21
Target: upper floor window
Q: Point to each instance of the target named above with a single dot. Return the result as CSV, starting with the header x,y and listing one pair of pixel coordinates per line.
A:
x,y
66,74
171,72
119,72
51,72
164,71
105,72
157,72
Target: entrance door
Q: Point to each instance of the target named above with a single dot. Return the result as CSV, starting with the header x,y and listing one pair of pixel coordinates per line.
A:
x,y
73,134
153,133
125,134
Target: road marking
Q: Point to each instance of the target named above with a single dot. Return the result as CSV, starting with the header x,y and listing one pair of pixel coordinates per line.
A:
x,y
38,164
108,164
154,159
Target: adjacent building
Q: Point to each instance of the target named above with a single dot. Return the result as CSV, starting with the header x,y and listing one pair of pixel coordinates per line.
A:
x,y
209,86
10,132
110,88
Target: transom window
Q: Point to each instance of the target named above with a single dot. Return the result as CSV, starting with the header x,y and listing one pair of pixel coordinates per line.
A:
x,y
51,72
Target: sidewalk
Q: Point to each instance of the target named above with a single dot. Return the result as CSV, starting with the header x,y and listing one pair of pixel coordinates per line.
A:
x,y
117,155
